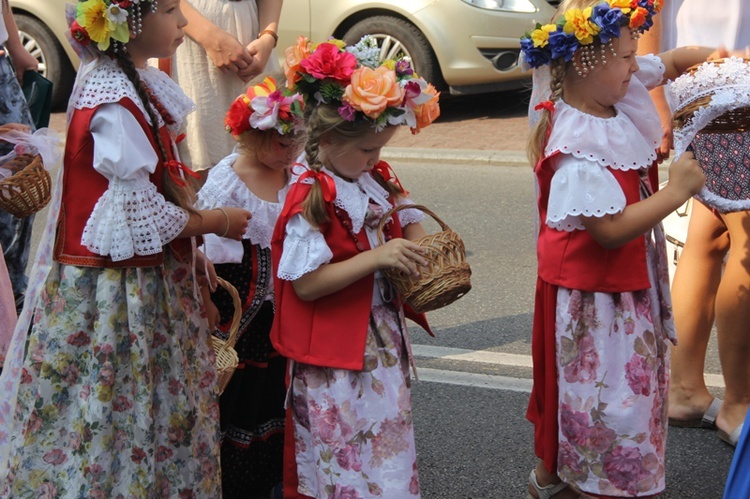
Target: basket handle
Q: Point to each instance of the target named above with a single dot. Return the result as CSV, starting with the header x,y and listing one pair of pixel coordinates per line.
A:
x,y
401,207
235,326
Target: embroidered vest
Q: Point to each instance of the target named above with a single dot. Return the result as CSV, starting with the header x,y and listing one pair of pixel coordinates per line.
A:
x,y
575,260
83,186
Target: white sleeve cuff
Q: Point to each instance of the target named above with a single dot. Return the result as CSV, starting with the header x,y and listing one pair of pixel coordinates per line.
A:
x,y
132,218
409,215
305,249
582,188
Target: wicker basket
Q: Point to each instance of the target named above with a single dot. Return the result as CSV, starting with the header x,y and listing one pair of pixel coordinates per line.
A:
x,y
734,120
28,190
447,276
226,356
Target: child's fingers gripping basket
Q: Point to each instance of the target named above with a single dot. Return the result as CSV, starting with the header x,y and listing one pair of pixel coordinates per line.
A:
x,y
28,189
226,355
447,276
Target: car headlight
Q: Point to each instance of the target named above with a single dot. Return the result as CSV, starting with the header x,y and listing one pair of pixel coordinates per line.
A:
x,y
524,6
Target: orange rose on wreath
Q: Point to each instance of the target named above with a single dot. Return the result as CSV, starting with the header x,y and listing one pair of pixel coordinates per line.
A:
x,y
429,111
372,90
293,56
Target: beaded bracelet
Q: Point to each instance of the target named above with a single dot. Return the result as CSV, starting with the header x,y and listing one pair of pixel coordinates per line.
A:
x,y
226,217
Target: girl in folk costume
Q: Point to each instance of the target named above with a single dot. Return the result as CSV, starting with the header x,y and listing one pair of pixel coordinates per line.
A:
x,y
266,121
116,394
349,419
602,319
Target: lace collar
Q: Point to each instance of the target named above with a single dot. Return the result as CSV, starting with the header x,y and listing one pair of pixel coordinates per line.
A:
x,y
225,188
106,83
627,141
355,197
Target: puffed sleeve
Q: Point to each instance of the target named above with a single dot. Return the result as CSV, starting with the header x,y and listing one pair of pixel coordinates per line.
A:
x,y
581,187
131,217
650,70
305,249
409,215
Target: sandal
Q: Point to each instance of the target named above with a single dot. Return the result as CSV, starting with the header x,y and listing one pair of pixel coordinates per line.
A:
x,y
708,420
732,438
548,491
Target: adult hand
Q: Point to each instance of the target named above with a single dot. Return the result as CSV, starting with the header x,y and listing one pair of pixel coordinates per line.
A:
x,y
260,50
227,53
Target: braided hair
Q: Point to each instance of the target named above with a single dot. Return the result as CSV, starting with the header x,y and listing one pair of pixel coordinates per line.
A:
x,y
324,120
184,197
538,137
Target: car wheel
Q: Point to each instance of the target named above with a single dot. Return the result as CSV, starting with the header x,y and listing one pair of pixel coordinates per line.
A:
x,y
53,61
399,38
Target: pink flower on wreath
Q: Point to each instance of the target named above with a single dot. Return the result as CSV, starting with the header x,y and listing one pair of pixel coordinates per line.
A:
x,y
329,62
624,468
583,368
638,373
574,425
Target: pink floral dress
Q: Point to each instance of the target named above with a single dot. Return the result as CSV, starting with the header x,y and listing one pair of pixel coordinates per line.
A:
x,y
354,436
612,348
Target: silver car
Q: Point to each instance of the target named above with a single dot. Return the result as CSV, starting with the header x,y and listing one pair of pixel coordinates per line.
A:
x,y
463,46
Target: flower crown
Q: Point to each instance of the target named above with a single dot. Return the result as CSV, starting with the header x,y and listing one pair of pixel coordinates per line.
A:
x,y
580,27
263,107
106,21
384,93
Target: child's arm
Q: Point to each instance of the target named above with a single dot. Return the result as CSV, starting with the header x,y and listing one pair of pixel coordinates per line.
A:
x,y
225,222
21,58
414,231
397,253
612,231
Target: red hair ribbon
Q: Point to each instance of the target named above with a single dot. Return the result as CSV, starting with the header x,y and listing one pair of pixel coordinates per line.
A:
x,y
547,104
327,185
174,168
386,172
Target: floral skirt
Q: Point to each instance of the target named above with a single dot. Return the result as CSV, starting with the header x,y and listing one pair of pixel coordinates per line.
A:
x,y
353,429
118,390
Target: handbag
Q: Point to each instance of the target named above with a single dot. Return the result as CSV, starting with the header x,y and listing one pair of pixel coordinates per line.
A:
x,y
38,92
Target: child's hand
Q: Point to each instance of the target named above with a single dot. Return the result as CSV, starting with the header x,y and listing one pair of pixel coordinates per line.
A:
x,y
237,219
210,310
400,254
686,175
19,127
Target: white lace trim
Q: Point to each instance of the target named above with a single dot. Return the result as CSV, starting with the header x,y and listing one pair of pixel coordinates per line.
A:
x,y
409,215
305,249
354,197
132,218
582,188
225,188
106,83
627,141
728,84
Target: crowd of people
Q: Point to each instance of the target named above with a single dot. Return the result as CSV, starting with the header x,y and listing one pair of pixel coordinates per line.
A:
x,y
212,165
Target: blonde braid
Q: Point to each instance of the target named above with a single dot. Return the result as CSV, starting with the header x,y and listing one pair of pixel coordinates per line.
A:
x,y
313,208
538,136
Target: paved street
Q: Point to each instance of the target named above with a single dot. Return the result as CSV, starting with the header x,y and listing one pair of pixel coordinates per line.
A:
x,y
472,437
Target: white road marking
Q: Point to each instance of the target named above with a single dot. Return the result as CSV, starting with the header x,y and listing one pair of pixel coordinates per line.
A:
x,y
499,359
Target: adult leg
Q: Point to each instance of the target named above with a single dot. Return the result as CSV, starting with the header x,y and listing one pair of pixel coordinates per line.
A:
x,y
694,288
732,320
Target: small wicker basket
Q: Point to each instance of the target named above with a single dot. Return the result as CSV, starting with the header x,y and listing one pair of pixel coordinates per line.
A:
x,y
226,355
28,190
734,120
447,276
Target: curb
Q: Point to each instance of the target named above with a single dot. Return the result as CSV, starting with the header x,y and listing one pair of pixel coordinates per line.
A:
x,y
456,156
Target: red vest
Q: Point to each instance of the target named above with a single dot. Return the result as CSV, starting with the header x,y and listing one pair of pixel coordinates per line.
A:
x,y
330,331
575,260
83,186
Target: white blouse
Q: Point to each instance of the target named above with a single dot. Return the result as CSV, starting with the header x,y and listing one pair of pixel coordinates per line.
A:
x,y
305,248
131,217
582,185
225,188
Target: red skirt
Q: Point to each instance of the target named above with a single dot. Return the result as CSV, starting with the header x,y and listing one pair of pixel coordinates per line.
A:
x,y
543,404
